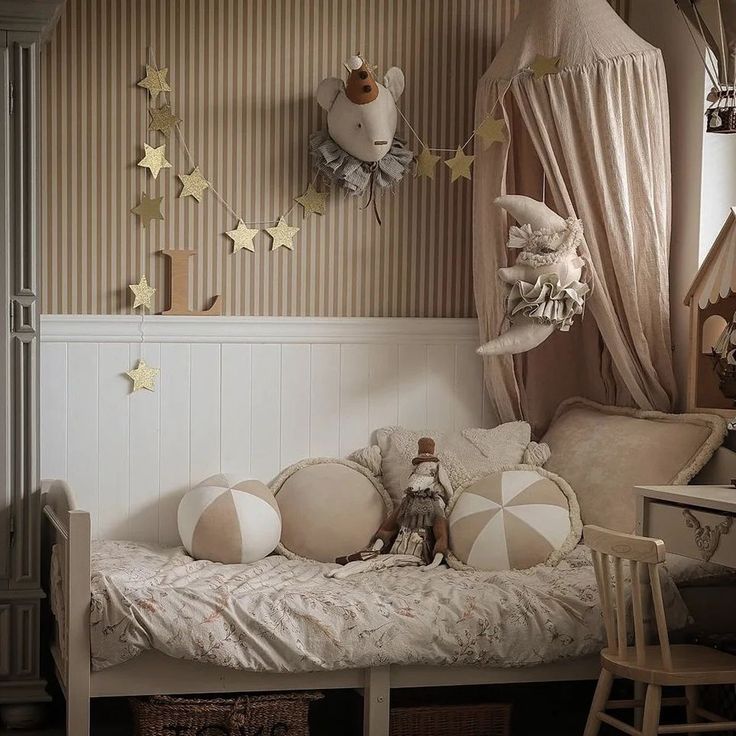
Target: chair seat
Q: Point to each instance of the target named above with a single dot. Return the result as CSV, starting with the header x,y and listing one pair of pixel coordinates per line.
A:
x,y
691,665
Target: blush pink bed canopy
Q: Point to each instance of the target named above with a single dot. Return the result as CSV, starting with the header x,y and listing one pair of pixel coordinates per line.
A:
x,y
592,140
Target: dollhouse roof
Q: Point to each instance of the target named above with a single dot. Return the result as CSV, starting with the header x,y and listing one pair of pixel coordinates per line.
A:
x,y
716,277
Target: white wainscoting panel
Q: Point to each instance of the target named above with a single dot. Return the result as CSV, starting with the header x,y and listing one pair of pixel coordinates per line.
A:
x,y
246,396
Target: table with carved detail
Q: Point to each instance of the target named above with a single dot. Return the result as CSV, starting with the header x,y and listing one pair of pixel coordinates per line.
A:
x,y
693,521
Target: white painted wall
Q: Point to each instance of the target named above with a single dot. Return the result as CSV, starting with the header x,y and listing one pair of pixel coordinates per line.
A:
x,y
703,165
246,396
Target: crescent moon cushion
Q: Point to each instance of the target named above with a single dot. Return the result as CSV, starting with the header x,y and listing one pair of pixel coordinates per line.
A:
x,y
329,508
513,519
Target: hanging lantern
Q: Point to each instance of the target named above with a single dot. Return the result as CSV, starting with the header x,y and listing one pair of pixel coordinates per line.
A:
x,y
712,24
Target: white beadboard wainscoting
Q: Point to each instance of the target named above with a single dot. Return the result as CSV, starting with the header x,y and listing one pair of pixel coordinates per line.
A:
x,y
246,396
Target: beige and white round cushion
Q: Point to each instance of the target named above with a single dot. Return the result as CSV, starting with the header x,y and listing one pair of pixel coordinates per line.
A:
x,y
513,519
226,521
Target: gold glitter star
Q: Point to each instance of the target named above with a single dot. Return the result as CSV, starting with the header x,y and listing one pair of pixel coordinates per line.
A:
x,y
155,159
426,163
143,294
543,65
143,376
193,184
162,119
148,209
242,237
155,81
313,201
282,234
492,130
460,164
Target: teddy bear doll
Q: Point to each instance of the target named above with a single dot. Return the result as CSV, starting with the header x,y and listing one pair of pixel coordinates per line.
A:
x,y
416,533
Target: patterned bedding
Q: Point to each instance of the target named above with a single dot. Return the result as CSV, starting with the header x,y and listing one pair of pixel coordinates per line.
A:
x,y
284,615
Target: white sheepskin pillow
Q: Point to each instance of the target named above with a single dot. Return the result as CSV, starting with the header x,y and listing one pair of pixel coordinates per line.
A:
x,y
225,521
329,508
465,455
513,519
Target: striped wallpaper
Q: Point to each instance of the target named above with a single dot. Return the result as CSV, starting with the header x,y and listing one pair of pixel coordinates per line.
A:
x,y
243,74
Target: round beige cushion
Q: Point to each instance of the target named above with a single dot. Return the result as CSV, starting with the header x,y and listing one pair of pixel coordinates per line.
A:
x,y
329,508
513,519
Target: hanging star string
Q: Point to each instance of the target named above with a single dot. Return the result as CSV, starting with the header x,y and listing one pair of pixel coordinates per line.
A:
x,y
490,130
194,183
143,375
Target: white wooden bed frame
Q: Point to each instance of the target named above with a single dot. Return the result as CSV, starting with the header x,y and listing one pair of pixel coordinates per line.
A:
x,y
153,673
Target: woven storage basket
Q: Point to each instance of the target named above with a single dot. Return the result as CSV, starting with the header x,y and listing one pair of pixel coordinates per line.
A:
x,y
248,715
489,719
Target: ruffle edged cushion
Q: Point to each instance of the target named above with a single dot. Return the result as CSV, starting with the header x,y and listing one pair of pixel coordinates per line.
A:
x,y
351,173
548,301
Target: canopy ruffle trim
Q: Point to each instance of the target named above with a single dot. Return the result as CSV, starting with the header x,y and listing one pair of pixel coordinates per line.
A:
x,y
548,301
354,175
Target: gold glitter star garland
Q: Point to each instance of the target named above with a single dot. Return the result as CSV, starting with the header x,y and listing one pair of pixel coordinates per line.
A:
x,y
143,375
163,120
194,183
490,130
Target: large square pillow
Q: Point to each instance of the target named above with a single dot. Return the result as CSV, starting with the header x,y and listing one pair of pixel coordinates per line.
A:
x,y
465,455
604,451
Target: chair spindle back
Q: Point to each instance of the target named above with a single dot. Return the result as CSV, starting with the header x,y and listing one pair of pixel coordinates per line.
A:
x,y
644,556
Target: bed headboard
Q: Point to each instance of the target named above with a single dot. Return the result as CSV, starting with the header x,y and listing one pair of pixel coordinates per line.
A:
x,y
247,396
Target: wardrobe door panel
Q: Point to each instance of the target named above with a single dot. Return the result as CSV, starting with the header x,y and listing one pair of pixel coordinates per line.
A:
x,y
23,278
6,486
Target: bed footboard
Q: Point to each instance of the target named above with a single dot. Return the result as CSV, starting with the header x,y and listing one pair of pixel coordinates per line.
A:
x,y
68,536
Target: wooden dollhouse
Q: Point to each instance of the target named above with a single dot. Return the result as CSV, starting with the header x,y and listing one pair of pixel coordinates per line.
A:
x,y
711,384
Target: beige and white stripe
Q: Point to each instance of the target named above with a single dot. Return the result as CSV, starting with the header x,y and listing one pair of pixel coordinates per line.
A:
x,y
243,74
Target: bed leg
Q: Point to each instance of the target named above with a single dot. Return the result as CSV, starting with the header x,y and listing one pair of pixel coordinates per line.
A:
x,y
77,714
376,701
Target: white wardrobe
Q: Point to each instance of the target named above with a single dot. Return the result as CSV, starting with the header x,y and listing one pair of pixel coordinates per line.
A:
x,y
23,24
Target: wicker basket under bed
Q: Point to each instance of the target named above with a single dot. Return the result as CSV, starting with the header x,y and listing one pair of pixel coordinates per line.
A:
x,y
248,715
488,719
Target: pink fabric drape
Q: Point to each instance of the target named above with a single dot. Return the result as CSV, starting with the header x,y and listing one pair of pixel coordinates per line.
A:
x,y
593,140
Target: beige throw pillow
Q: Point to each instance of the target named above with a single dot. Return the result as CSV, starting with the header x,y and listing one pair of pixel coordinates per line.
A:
x,y
329,508
465,455
604,451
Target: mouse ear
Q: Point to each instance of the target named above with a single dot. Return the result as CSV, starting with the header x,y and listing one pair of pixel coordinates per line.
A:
x,y
394,82
328,90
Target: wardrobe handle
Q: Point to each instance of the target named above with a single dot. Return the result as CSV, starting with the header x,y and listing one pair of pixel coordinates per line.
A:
x,y
21,324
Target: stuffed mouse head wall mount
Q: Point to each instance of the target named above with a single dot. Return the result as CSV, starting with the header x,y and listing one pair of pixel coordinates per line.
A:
x,y
361,113
359,150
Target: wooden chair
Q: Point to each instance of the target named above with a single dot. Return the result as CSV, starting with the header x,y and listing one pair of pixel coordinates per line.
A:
x,y
652,666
